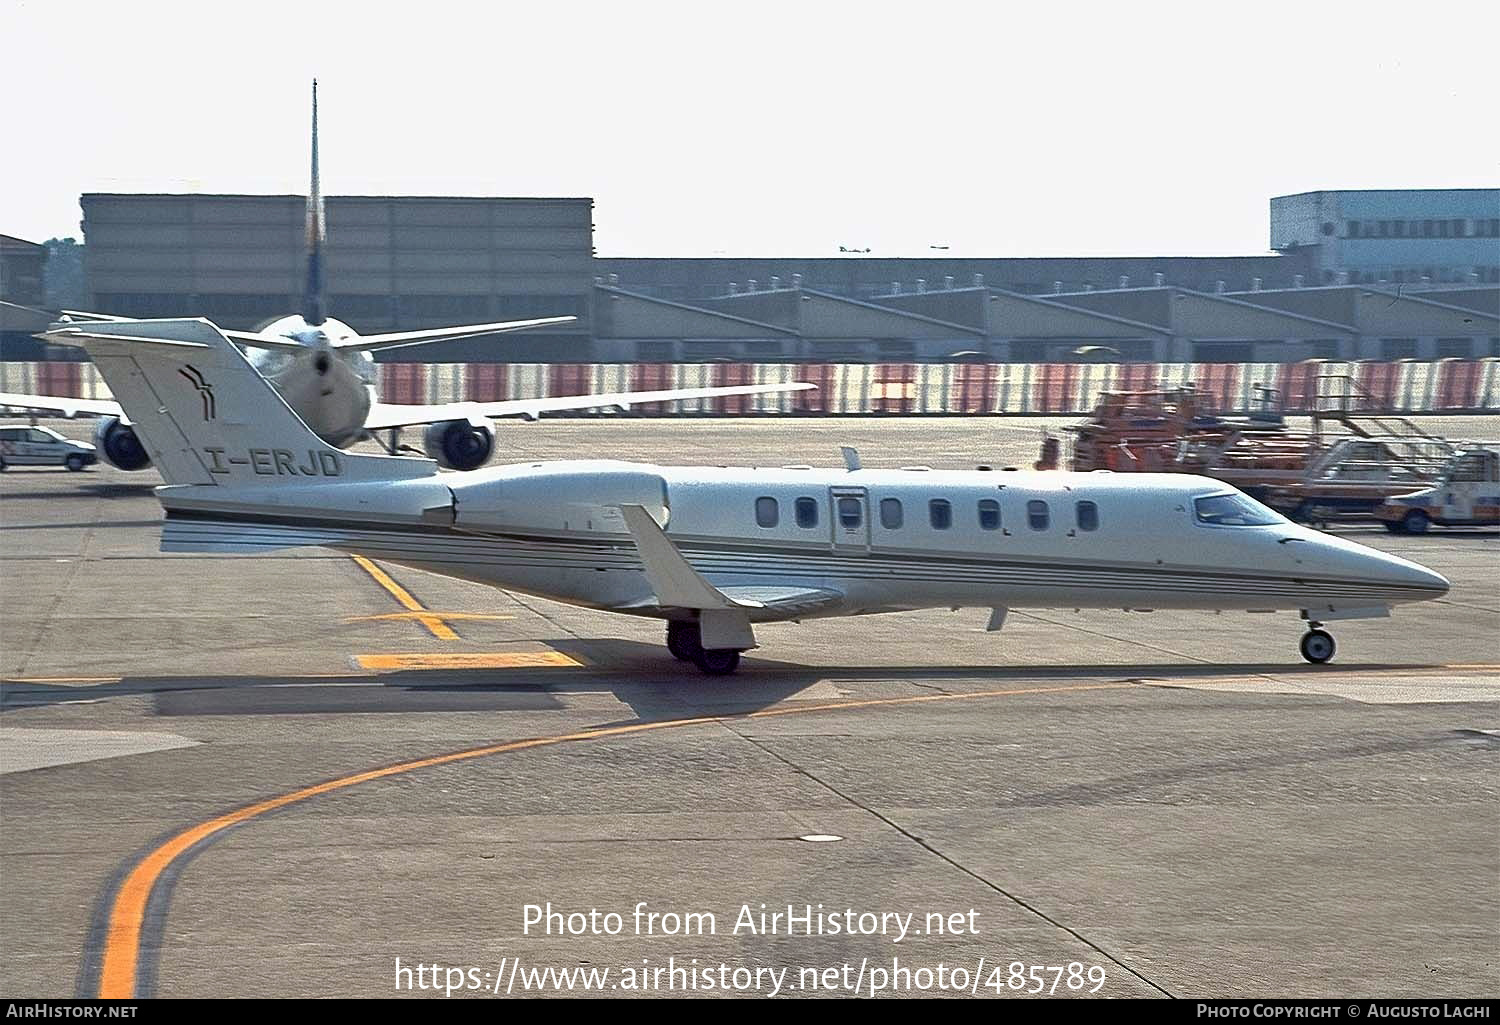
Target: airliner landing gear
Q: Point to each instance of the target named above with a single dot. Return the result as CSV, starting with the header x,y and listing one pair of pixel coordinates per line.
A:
x,y
683,641
1317,645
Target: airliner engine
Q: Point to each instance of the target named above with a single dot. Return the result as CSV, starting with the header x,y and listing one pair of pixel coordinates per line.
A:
x,y
460,444
118,444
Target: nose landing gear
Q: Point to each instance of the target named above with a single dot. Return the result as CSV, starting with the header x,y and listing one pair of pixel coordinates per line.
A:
x,y
1317,644
684,642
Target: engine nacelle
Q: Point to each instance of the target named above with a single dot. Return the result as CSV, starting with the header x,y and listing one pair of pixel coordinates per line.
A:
x,y
459,444
118,444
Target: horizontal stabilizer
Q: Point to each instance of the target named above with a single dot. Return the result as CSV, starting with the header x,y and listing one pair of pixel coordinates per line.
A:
x,y
70,334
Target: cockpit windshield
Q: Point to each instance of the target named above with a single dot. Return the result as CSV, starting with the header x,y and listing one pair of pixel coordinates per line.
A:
x,y
1233,511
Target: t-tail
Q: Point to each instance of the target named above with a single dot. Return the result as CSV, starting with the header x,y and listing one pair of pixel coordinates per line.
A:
x,y
243,472
314,306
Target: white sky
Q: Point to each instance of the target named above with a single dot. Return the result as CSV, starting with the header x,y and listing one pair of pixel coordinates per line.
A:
x,y
765,128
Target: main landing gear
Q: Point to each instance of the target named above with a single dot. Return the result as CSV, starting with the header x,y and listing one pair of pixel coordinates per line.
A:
x,y
684,644
1317,644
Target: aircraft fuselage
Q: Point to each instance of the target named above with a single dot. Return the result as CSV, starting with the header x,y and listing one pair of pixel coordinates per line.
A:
x,y
330,389
889,540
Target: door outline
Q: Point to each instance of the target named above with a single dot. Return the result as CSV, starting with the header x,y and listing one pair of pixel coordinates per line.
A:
x,y
855,541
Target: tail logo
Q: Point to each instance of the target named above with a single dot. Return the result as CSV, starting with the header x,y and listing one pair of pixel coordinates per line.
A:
x,y
206,390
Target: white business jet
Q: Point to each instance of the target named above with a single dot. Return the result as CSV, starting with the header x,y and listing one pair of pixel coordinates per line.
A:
x,y
714,550
323,369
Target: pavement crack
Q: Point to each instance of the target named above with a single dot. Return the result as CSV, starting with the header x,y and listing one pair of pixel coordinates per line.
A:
x,y
520,600
1111,637
1016,899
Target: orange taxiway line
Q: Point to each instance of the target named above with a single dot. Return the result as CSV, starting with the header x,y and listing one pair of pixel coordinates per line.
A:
x,y
122,944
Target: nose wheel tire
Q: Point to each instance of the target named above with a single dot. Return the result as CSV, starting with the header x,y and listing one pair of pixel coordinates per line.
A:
x,y
1317,646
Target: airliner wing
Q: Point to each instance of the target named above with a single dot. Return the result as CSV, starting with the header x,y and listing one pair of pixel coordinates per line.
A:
x,y
442,334
86,315
60,404
264,341
384,415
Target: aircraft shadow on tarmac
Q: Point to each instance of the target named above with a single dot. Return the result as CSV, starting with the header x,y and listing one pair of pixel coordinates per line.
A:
x,y
80,525
85,490
639,675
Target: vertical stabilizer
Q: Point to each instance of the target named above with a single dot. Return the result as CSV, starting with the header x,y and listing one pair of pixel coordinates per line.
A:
x,y
314,308
208,418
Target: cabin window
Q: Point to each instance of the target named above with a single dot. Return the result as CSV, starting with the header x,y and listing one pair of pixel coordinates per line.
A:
x,y
851,513
807,512
1037,514
1232,511
890,513
767,512
989,514
940,514
1088,516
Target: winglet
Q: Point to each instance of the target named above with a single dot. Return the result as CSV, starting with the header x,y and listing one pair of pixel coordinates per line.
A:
x,y
675,582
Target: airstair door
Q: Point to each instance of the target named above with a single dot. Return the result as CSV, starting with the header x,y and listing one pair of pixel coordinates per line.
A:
x,y
851,520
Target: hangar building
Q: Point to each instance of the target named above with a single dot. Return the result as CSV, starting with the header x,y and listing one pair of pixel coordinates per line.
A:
x,y
1386,275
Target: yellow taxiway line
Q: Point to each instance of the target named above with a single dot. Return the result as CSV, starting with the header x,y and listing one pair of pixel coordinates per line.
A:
x,y
434,624
418,615
469,660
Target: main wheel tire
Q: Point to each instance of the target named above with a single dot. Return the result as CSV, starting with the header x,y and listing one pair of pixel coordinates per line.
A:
x,y
682,641
1317,646
719,661
1416,522
74,463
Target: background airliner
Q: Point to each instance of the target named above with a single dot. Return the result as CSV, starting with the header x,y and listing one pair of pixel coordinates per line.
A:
x,y
715,550
323,369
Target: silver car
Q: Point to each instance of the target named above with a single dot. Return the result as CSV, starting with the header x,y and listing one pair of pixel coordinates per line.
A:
x,y
21,445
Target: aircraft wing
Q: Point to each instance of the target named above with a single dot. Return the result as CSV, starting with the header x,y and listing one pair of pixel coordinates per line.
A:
x,y
86,315
384,415
785,602
264,341
442,334
60,404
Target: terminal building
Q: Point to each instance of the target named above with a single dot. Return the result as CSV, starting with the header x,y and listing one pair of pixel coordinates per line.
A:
x,y
1410,274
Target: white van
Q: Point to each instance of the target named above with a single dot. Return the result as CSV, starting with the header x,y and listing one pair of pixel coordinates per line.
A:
x,y
1467,494
21,445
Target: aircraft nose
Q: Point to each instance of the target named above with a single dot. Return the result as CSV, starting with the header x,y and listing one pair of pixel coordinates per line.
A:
x,y
1424,583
